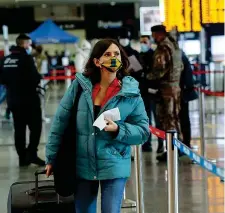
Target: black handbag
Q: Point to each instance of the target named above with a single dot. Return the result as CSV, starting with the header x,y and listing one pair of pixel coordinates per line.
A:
x,y
64,168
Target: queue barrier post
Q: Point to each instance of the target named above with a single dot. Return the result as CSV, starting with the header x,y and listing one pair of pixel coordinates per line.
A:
x,y
172,166
139,179
128,203
139,203
202,119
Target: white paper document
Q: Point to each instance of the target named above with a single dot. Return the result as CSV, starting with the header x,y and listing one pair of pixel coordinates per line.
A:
x,y
112,114
134,64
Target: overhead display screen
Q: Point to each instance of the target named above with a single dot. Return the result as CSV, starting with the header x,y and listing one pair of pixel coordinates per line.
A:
x,y
188,15
185,14
212,11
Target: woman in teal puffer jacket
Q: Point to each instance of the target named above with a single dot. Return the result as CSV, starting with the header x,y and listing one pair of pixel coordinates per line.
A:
x,y
103,157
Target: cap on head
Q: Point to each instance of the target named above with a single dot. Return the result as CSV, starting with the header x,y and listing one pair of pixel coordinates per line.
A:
x,y
21,38
158,28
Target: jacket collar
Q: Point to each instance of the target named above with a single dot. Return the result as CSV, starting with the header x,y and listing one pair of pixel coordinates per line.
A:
x,y
129,85
18,50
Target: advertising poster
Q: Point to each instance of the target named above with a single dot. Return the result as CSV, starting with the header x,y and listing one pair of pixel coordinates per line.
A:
x,y
149,16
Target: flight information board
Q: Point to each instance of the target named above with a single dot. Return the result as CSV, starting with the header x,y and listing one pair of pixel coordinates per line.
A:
x,y
188,15
212,11
185,14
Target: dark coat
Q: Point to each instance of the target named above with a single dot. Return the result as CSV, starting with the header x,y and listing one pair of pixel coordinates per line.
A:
x,y
187,81
21,78
146,61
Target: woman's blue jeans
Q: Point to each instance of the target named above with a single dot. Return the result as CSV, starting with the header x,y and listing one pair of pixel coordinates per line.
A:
x,y
111,195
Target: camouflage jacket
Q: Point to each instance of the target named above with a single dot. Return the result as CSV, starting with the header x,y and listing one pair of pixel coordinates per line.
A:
x,y
167,64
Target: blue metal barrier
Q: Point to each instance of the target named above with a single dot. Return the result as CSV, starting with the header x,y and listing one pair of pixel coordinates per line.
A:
x,y
201,161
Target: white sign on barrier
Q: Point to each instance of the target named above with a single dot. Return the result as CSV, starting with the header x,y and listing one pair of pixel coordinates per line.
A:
x,y
208,165
177,144
219,172
186,151
196,158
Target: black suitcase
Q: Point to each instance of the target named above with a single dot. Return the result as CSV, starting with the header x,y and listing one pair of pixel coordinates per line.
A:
x,y
38,197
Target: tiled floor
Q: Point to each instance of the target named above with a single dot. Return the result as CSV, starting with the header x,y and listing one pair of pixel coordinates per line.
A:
x,y
199,191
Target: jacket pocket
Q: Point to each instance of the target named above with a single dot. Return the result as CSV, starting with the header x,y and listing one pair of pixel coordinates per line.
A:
x,y
124,152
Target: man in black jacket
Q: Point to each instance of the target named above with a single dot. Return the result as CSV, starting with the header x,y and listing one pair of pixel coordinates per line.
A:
x,y
147,88
19,74
187,94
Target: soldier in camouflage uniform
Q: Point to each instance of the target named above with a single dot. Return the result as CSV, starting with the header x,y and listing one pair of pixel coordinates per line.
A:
x,y
167,69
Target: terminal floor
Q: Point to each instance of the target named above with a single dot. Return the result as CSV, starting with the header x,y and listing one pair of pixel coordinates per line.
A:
x,y
199,191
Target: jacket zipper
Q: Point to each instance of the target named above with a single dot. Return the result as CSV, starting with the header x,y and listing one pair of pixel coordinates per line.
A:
x,y
107,103
95,172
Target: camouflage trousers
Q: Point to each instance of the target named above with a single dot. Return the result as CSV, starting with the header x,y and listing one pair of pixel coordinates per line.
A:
x,y
167,110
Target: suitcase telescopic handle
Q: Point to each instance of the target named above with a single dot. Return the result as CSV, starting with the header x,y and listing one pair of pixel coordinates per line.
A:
x,y
37,173
40,172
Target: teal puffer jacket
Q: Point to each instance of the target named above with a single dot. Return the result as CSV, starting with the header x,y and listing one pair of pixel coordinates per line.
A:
x,y
101,156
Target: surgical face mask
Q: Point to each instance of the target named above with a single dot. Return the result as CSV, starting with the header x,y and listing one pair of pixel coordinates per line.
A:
x,y
144,48
29,50
124,42
112,64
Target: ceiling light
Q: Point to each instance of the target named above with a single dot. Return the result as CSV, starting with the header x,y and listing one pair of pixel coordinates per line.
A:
x,y
112,3
44,6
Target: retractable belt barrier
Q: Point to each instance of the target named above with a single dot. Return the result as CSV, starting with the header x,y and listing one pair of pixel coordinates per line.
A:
x,y
52,72
210,93
58,77
66,74
201,161
206,72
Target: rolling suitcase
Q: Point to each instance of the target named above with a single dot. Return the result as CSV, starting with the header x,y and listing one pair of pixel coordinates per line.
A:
x,y
38,197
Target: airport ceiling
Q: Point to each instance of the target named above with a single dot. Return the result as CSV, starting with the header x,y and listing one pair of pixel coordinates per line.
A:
x,y
39,2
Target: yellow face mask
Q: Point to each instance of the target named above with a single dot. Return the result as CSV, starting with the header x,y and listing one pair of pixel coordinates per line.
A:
x,y
112,64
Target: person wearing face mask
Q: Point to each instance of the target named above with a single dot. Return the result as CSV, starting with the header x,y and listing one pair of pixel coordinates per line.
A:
x,y
21,78
102,157
148,89
82,55
124,40
39,57
166,71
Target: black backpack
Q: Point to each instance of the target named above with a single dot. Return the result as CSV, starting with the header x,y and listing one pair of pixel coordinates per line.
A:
x,y
64,169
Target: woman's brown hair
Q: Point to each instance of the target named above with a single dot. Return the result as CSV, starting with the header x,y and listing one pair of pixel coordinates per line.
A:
x,y
93,72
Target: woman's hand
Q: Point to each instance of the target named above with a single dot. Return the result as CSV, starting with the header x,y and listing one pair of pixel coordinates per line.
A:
x,y
49,170
111,126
